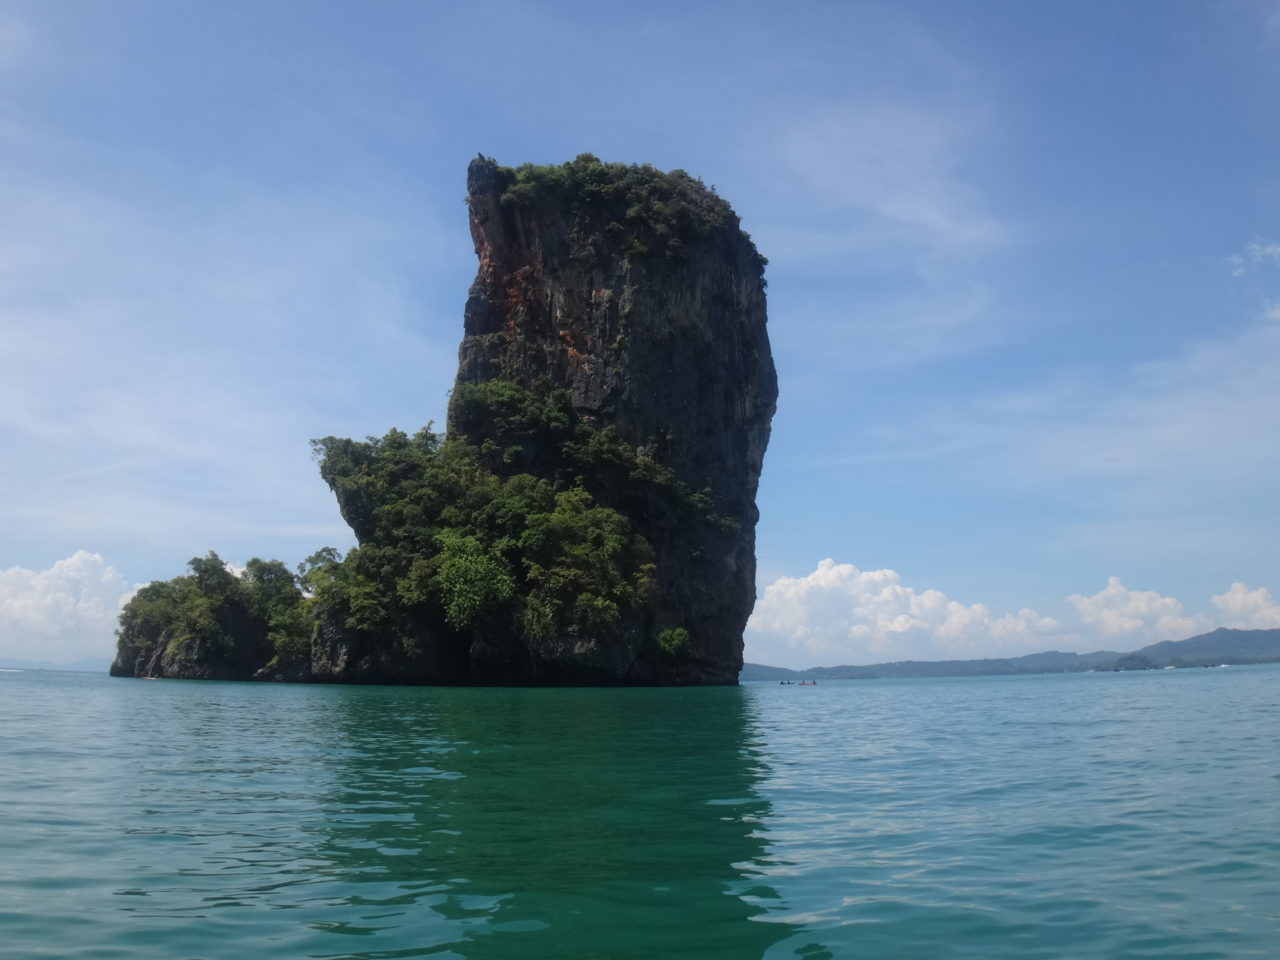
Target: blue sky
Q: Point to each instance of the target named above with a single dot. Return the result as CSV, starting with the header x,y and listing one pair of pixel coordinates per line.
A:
x,y
1024,290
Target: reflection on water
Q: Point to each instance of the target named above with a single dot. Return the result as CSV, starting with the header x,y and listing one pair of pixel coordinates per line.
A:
x,y
1095,817
547,823
187,819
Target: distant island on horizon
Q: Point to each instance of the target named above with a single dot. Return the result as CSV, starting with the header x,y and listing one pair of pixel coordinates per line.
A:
x,y
1221,646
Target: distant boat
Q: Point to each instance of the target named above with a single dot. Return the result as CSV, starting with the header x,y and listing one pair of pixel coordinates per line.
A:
x,y
1170,666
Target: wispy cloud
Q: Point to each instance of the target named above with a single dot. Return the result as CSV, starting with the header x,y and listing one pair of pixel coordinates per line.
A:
x,y
162,367
1269,13
17,40
895,169
1167,429
1257,253
890,208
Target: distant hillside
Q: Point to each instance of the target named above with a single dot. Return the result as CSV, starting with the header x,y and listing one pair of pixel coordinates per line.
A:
x,y
1052,661
1219,646
1209,649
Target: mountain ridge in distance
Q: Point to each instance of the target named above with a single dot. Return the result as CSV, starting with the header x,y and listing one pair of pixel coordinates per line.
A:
x,y
1223,645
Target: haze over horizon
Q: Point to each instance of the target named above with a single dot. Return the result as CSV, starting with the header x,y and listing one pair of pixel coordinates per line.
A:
x,y
1024,291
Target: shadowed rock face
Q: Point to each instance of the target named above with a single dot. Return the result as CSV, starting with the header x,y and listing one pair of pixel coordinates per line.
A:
x,y
637,292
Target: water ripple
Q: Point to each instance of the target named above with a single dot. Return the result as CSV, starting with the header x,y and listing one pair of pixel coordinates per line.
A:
x,y
1100,817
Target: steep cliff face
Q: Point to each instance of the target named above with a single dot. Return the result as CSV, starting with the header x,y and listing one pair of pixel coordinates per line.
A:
x,y
589,517
636,292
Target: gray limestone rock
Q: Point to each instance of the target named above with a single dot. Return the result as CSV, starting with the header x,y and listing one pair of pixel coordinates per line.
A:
x,y
638,293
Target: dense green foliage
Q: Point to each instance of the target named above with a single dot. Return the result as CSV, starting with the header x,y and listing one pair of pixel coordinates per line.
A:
x,y
674,641
513,430
640,208
457,537
212,618
515,530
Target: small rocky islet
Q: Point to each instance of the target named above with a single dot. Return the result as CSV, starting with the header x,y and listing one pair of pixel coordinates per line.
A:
x,y
587,517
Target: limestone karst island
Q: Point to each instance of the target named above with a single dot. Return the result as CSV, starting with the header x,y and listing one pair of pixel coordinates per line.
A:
x,y
588,516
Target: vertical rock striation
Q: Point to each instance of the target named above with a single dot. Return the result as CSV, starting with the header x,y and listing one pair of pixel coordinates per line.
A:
x,y
637,292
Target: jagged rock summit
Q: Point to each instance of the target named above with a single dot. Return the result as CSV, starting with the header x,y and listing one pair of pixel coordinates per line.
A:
x,y
637,292
589,515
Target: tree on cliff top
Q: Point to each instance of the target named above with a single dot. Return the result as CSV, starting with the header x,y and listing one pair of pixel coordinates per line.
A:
x,y
212,622
638,207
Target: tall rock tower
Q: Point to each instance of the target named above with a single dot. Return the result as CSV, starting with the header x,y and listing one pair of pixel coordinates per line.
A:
x,y
637,292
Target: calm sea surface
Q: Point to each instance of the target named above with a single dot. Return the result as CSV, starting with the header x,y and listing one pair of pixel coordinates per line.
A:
x,y
1105,816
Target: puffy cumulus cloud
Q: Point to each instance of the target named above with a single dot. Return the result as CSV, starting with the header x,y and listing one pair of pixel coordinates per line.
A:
x,y
1116,612
1243,608
63,613
840,614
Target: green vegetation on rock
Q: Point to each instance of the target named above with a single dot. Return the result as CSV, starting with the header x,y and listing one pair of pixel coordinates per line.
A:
x,y
211,623
589,515
457,539
635,207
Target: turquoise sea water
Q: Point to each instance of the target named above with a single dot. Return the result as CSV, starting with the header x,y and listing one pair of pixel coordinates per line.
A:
x,y
1082,816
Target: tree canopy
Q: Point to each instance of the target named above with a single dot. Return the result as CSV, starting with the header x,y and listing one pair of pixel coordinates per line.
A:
x,y
514,530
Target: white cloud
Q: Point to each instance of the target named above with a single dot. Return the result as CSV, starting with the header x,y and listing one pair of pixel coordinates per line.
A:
x,y
896,162
61,614
840,614
1165,431
886,185
1118,613
1246,609
879,192
1256,253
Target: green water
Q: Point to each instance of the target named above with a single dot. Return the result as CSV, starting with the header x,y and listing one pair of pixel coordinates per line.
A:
x,y
1094,816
